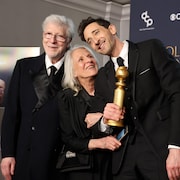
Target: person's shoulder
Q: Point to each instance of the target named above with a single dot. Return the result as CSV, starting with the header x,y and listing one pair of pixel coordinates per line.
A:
x,y
33,59
68,91
150,42
65,93
147,44
101,72
106,66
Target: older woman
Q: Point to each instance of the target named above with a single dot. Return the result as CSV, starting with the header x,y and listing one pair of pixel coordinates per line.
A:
x,y
75,102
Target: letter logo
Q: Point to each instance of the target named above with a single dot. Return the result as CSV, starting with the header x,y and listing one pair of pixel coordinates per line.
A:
x,y
146,18
174,17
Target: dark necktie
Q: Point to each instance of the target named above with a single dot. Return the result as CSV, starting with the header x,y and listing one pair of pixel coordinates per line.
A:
x,y
52,73
120,61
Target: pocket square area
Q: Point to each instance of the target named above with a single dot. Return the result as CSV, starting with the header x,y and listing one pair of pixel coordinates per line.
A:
x,y
146,70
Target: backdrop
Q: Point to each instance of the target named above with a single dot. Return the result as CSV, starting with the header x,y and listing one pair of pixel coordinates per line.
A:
x,y
157,19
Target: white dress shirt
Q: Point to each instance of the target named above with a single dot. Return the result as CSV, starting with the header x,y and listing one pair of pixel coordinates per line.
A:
x,y
48,64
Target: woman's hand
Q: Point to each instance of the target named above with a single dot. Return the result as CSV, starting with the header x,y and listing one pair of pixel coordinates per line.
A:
x,y
108,142
92,118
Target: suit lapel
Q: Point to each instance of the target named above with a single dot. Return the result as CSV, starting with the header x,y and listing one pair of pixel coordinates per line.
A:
x,y
56,85
133,62
40,80
41,84
132,68
43,89
111,80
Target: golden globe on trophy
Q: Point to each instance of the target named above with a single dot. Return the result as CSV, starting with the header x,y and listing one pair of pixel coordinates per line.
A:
x,y
121,74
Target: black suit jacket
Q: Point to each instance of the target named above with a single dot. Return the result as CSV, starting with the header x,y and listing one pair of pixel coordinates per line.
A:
x,y
154,91
30,129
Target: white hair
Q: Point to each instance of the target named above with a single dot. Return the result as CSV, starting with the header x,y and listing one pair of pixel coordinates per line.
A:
x,y
61,21
69,81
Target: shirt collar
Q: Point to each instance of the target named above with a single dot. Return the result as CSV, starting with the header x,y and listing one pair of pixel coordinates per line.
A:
x,y
123,54
48,63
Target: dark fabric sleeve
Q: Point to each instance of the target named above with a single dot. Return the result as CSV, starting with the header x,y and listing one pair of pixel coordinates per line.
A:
x,y
11,116
68,117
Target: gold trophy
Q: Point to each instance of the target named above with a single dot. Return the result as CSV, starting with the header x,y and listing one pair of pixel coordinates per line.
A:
x,y
121,75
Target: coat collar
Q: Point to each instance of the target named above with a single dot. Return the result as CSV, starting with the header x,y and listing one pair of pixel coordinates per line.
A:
x,y
133,56
43,89
133,63
110,74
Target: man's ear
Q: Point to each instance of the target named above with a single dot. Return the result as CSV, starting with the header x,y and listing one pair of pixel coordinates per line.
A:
x,y
112,29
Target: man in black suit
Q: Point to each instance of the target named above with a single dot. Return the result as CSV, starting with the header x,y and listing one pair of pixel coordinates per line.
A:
x,y
152,100
30,131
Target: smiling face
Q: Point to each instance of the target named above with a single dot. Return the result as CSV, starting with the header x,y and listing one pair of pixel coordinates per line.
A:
x,y
54,46
101,39
84,64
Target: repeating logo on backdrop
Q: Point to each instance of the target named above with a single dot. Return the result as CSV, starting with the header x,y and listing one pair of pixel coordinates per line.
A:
x,y
148,21
175,51
174,17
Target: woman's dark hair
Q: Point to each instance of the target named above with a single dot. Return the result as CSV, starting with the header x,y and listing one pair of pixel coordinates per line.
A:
x,y
89,20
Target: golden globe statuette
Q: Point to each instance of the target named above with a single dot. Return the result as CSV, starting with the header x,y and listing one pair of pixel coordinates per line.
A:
x,y
121,74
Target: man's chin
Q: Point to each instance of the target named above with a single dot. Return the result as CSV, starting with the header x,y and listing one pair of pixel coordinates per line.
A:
x,y
102,52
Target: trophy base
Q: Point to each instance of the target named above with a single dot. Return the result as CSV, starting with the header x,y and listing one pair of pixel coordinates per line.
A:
x,y
115,123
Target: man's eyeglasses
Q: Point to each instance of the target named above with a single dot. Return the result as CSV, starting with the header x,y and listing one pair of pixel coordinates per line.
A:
x,y
58,37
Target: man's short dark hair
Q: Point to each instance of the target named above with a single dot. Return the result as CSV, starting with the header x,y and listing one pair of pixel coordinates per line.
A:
x,y
85,22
